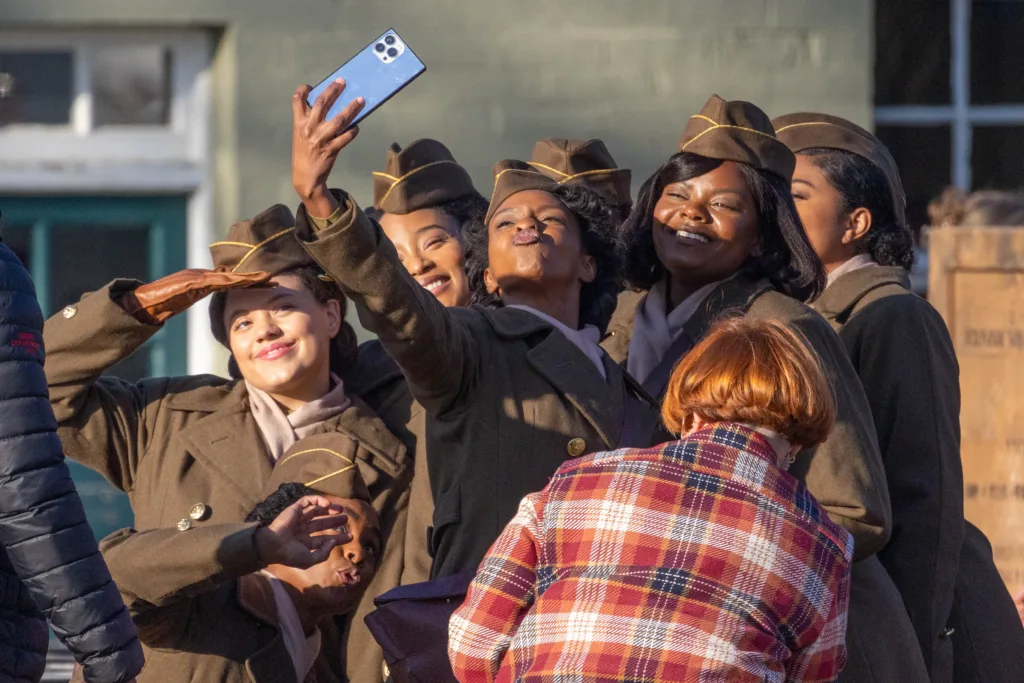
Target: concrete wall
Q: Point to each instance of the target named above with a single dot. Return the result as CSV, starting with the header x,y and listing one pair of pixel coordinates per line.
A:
x,y
500,75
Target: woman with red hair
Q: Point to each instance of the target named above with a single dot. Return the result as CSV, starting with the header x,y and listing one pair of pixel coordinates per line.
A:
x,y
702,557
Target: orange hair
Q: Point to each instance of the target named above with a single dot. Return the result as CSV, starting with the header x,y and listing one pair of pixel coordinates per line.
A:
x,y
760,372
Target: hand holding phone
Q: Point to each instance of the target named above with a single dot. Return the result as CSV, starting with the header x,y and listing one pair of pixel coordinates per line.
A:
x,y
316,142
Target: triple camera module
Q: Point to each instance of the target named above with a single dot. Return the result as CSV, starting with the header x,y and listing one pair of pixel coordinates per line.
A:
x,y
388,48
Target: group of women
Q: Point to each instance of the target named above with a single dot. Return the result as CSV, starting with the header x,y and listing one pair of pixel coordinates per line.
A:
x,y
540,325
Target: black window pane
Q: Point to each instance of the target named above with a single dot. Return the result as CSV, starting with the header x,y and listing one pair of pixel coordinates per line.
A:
x,y
997,51
923,155
35,87
131,85
912,51
84,258
996,158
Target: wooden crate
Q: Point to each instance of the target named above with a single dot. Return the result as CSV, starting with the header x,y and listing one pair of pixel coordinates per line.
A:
x,y
976,281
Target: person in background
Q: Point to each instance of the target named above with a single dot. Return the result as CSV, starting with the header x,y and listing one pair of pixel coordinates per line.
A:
x,y
651,549
510,389
715,230
244,602
587,163
954,207
50,567
848,193
197,451
422,200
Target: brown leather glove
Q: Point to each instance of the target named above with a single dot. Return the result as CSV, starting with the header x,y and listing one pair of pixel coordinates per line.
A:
x,y
155,302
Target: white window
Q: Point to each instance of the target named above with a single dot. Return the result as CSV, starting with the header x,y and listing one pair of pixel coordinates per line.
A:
x,y
119,114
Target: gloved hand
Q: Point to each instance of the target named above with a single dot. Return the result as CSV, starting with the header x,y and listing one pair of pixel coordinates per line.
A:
x,y
156,301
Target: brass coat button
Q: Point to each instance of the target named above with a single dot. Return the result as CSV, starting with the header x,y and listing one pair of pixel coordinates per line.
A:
x,y
69,312
198,512
185,524
576,447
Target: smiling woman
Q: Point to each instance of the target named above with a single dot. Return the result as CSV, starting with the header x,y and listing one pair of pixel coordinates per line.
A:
x,y
715,232
510,390
194,453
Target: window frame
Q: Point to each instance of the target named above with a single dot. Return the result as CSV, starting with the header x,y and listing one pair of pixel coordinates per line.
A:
x,y
960,115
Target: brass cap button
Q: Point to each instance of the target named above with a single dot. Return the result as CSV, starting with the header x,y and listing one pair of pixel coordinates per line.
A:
x,y
69,312
576,447
198,512
185,524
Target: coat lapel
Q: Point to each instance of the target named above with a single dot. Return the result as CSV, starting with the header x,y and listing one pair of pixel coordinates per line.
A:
x,y
227,440
839,299
574,375
271,663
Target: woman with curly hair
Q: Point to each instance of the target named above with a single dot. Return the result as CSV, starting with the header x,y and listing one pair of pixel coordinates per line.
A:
x,y
850,199
715,230
513,385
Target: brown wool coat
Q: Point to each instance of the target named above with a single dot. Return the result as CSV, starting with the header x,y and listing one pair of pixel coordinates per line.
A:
x,y
845,474
903,354
202,613
508,399
173,443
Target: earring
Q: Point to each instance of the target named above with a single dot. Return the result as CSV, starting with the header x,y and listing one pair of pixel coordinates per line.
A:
x,y
790,459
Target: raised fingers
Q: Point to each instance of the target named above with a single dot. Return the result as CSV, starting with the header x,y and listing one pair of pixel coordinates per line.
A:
x,y
327,98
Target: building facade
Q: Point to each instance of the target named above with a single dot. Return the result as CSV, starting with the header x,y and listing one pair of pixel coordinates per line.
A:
x,y
134,132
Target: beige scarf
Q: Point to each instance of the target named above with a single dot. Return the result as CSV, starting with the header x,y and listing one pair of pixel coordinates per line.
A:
x,y
281,430
655,329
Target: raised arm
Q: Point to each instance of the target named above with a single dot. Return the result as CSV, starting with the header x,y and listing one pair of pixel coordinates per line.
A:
x,y
105,422
435,347
845,473
481,631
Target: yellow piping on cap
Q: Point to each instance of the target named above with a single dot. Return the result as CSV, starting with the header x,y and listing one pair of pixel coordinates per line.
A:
x,y
311,484
230,244
382,174
717,126
548,168
412,172
586,173
261,244
314,450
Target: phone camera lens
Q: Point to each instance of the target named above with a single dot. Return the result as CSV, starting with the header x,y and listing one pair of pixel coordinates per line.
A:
x,y
392,52
390,40
379,47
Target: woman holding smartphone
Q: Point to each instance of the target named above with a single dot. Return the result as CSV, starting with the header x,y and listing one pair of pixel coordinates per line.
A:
x,y
512,391
714,232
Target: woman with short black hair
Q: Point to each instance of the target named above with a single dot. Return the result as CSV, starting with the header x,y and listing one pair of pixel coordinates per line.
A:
x,y
850,197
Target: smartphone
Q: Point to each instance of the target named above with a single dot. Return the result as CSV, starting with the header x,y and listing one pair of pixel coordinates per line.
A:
x,y
379,71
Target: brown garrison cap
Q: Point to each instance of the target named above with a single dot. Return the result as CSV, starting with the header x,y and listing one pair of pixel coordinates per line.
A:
x,y
587,163
323,462
265,243
422,175
737,131
807,131
512,176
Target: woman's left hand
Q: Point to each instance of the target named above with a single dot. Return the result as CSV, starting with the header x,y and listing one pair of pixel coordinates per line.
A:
x,y
316,143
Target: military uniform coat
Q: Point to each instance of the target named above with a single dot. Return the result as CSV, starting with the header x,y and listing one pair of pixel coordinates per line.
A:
x,y
185,445
202,612
508,398
903,354
845,474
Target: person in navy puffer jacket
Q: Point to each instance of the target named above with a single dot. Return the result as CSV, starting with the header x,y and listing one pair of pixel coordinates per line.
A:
x,y
50,567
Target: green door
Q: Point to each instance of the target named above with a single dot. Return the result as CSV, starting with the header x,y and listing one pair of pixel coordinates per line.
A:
x,y
74,245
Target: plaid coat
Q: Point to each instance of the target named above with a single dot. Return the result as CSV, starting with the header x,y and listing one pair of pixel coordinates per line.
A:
x,y
695,560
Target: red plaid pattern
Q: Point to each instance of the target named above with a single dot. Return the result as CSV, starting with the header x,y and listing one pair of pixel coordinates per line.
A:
x,y
698,560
